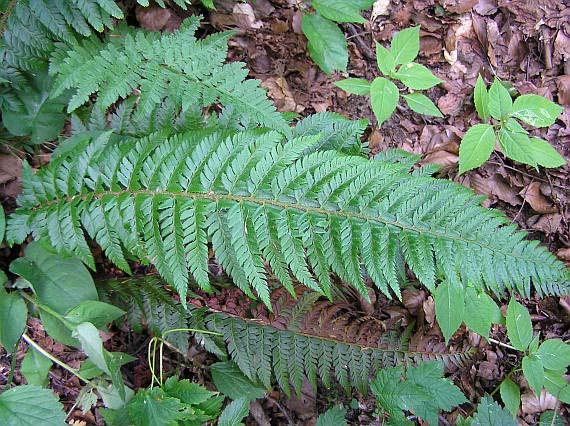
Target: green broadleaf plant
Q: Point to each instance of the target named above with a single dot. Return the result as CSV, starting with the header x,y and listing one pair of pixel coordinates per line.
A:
x,y
500,116
327,45
396,64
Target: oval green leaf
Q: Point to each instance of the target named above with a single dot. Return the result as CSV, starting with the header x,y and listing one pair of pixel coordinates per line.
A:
x,y
519,325
481,99
449,307
422,104
355,86
476,147
384,97
554,354
500,101
405,45
327,45
416,76
534,372
511,395
536,110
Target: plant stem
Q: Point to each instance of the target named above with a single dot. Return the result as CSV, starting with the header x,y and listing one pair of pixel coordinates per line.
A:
x,y
12,364
503,344
49,356
47,309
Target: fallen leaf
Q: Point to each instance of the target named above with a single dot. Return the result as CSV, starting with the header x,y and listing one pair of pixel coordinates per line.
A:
x,y
531,404
503,191
548,223
536,199
245,17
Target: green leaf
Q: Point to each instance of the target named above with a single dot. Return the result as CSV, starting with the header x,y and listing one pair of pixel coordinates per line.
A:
x,y
500,101
517,146
13,317
519,326
152,407
416,76
187,391
449,307
423,391
476,147
481,99
57,330
327,45
338,10
551,418
557,385
33,113
384,97
422,104
489,413
355,86
59,282
536,110
30,405
234,413
385,59
2,223
544,154
514,126
405,45
534,372
481,312
95,312
554,354
333,416
229,380
92,345
35,368
511,395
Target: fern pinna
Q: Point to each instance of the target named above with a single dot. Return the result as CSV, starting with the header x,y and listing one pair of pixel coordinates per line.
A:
x,y
260,199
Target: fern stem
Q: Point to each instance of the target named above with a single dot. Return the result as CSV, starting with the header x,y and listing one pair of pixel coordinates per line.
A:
x,y
53,359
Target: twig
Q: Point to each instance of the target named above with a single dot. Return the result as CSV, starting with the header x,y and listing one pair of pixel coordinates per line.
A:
x,y
503,344
285,413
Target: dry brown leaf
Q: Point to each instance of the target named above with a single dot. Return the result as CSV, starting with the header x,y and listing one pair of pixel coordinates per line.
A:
x,y
536,199
503,191
563,253
245,17
413,299
279,91
531,404
548,223
429,310
563,84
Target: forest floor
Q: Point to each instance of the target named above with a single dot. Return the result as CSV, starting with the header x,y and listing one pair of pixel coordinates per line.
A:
x,y
526,43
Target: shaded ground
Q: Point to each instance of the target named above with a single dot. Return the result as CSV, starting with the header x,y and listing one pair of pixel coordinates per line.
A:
x,y
522,42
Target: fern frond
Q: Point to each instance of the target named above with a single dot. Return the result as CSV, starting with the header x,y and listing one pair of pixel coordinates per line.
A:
x,y
175,67
263,351
256,197
36,26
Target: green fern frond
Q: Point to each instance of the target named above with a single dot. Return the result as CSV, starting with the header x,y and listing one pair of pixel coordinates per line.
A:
x,y
35,26
256,197
178,67
264,352
148,304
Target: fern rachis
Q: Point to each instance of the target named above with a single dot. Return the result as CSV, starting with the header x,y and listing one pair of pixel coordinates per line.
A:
x,y
162,198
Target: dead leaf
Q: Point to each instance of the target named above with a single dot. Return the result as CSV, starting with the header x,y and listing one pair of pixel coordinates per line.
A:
x,y
564,253
563,84
279,91
486,7
10,175
154,18
429,310
380,8
548,223
413,299
531,404
503,191
245,17
536,199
